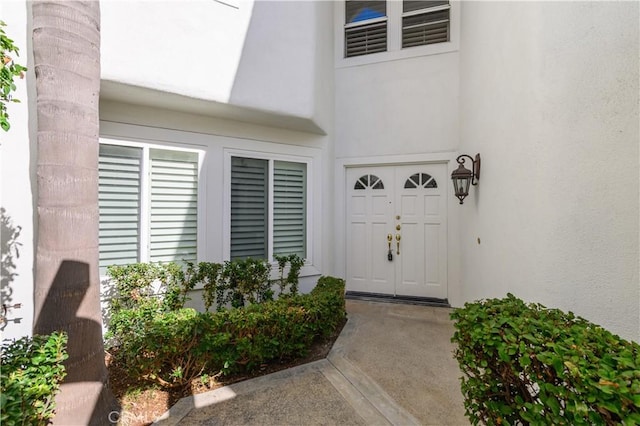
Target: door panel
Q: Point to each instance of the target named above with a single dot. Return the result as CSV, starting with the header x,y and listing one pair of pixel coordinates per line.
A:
x,y
369,209
412,198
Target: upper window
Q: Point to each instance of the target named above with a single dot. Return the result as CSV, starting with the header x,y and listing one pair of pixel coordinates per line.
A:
x,y
370,26
365,29
424,22
148,205
268,208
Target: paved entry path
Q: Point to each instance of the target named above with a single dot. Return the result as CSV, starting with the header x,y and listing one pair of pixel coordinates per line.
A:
x,y
391,365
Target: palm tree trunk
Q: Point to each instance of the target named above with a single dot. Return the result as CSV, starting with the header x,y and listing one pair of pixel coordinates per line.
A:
x,y
66,47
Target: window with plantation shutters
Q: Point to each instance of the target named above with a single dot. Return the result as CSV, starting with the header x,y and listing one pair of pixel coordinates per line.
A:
x,y
148,201
119,204
425,22
173,222
249,207
289,208
268,208
365,30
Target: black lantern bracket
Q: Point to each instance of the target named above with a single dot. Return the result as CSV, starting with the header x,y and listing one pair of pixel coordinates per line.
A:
x,y
462,177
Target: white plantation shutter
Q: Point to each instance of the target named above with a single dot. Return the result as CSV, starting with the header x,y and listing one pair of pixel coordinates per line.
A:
x,y
365,39
119,203
173,233
365,27
425,22
289,208
249,208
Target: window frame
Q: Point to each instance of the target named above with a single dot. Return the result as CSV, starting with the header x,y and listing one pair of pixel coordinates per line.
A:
x,y
144,219
364,23
271,158
424,11
394,37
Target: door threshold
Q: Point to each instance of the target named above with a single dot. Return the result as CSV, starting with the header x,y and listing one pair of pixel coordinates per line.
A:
x,y
389,298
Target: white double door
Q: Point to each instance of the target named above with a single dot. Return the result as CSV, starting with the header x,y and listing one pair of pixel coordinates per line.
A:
x,y
397,213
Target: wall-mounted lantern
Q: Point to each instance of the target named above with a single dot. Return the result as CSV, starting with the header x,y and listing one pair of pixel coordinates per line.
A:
x,y
463,177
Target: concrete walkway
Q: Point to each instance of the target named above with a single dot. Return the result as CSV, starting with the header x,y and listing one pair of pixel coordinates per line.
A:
x,y
392,364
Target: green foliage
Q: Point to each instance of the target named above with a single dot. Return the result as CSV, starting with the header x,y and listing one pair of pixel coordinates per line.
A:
x,y
163,287
146,288
295,264
246,280
174,347
213,289
237,282
9,70
526,364
31,370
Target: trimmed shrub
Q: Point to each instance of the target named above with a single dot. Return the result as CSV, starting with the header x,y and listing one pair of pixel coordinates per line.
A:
x,y
526,364
175,347
31,370
164,287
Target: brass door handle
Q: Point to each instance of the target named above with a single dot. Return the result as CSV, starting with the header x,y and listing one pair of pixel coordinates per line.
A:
x,y
398,244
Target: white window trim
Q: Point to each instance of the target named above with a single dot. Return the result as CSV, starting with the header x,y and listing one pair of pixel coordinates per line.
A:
x,y
145,203
394,36
271,158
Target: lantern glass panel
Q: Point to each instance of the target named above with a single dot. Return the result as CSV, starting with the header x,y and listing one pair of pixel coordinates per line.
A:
x,y
461,185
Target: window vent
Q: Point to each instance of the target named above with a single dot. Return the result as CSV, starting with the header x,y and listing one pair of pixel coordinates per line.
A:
x,y
425,23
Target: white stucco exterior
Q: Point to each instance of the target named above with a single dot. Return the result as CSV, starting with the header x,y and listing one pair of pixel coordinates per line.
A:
x,y
547,93
553,110
257,55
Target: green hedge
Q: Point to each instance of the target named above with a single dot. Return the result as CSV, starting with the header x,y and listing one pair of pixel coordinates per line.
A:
x,y
174,347
526,364
31,370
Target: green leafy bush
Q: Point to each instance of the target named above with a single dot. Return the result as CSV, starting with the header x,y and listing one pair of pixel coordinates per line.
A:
x,y
165,287
31,370
9,70
245,280
140,291
175,347
292,279
526,364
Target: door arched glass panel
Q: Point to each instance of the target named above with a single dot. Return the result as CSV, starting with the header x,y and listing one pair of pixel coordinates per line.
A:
x,y
369,181
420,180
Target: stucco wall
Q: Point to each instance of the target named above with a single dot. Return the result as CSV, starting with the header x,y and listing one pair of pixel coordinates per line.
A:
x,y
549,97
17,183
405,106
259,55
